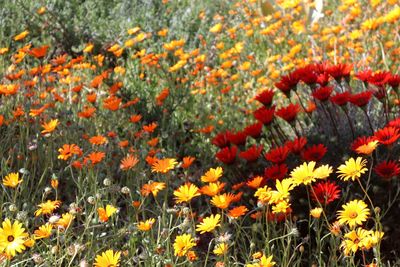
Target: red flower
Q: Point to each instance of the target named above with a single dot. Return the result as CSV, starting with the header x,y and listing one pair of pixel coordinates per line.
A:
x,y
264,115
288,113
251,154
360,141
307,74
227,155
395,123
221,140
314,153
394,81
364,75
323,93
288,82
265,97
277,155
340,99
387,135
339,71
276,172
325,192
323,79
296,145
254,130
387,169
361,99
379,78
321,67
238,138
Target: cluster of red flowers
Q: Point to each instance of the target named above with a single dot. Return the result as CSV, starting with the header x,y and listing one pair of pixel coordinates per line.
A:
x,y
327,86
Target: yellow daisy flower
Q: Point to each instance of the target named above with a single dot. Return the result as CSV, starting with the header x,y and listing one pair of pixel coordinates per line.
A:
x,y
281,207
183,243
12,180
65,221
354,213
352,169
304,174
316,212
44,231
282,190
263,194
354,240
108,259
12,238
47,207
209,224
49,126
221,249
146,225
186,192
262,262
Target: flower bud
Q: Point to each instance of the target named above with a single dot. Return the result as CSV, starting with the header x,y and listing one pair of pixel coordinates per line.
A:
x,y
12,208
107,182
91,200
125,190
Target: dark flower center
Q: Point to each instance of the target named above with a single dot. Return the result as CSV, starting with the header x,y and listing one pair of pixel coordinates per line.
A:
x,y
10,238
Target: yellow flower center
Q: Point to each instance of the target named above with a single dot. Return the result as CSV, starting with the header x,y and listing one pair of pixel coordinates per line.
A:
x,y
10,238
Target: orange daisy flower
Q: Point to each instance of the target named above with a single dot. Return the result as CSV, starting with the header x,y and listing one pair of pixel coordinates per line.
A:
x,y
38,52
162,96
153,142
212,189
151,160
135,118
87,112
237,212
128,162
98,140
222,201
150,128
123,143
95,157
212,175
237,197
163,165
49,126
77,164
256,182
152,188
187,161
112,103
91,97
106,213
68,151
